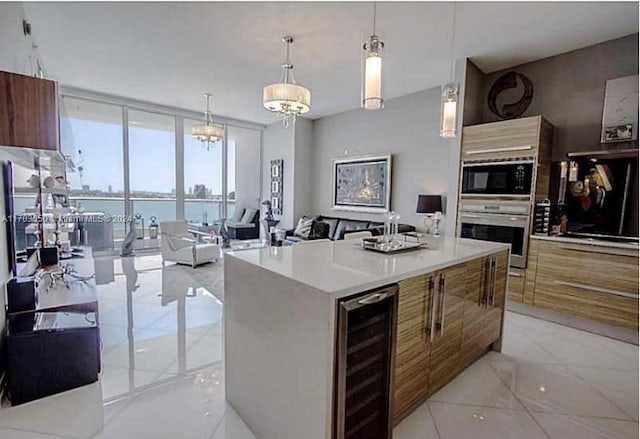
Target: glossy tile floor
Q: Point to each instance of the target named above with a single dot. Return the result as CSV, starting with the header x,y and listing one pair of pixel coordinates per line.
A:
x,y
163,375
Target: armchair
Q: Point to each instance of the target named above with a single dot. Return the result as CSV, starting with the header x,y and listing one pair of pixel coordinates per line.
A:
x,y
178,245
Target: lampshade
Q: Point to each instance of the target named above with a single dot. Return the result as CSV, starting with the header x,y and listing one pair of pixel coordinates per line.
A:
x,y
372,82
448,110
286,97
429,204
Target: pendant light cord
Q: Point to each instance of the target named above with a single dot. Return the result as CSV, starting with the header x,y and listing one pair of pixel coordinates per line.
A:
x,y
374,17
453,42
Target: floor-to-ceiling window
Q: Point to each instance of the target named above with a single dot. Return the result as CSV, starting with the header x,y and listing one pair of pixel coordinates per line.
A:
x,y
152,165
202,178
91,134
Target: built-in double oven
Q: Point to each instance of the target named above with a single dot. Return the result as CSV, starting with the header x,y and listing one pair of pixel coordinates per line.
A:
x,y
498,221
495,203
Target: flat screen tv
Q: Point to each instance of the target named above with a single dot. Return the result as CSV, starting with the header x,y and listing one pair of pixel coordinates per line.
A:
x,y
9,215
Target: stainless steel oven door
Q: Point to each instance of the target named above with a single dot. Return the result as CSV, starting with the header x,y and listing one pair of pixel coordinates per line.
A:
x,y
509,229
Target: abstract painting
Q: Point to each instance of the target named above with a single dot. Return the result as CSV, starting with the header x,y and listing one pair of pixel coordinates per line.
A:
x,y
362,183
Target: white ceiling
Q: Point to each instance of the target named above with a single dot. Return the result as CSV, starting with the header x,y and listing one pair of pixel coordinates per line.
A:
x,y
171,53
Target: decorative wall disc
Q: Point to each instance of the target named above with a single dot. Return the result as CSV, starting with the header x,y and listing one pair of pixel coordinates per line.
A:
x,y
508,81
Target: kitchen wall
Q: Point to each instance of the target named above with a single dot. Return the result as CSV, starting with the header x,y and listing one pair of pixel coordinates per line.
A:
x,y
569,91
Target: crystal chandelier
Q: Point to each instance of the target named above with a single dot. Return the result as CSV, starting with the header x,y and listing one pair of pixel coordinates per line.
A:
x,y
207,132
372,81
285,97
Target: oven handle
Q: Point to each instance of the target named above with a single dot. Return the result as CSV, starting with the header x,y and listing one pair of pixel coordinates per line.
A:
x,y
505,149
476,163
496,220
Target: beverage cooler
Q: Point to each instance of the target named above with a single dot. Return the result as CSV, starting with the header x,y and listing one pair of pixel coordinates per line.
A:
x,y
364,365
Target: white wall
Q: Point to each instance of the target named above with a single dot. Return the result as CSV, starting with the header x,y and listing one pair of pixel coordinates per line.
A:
x,y
278,143
408,128
15,48
247,166
303,148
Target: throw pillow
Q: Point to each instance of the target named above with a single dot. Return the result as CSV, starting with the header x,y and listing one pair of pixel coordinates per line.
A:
x,y
237,215
249,213
303,229
319,230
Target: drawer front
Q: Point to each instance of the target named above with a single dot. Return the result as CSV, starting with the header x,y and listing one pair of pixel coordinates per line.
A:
x,y
611,309
586,267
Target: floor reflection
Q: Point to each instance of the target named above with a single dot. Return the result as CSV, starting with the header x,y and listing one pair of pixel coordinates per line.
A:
x,y
165,322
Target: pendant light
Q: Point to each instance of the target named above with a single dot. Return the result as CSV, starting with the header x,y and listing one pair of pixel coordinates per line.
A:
x,y
285,97
372,80
207,132
449,95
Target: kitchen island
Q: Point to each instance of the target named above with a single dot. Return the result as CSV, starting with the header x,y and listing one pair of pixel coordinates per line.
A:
x,y
327,340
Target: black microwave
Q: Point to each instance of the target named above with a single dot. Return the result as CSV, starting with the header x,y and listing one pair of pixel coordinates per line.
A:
x,y
497,178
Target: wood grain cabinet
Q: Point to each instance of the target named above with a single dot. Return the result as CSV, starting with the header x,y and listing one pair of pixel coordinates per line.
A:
x,y
446,329
596,282
496,296
485,295
413,346
28,112
515,286
446,320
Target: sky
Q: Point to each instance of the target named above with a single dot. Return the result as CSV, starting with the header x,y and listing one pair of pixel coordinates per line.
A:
x,y
152,158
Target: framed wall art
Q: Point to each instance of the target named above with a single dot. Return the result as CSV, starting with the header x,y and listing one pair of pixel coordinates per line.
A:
x,y
362,183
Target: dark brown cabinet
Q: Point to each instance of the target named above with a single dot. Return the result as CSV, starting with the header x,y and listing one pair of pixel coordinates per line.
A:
x,y
28,112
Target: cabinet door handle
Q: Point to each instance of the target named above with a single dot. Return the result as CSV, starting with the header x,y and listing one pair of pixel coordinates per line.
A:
x,y
605,251
443,296
433,314
595,289
511,273
505,149
427,309
373,298
486,284
494,273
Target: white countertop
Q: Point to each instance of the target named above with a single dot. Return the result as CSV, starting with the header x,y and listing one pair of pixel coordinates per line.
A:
x,y
342,267
588,241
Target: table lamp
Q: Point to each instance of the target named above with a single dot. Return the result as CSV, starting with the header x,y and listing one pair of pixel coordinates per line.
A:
x,y
431,206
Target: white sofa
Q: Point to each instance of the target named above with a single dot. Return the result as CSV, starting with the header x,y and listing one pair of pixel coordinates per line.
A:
x,y
178,245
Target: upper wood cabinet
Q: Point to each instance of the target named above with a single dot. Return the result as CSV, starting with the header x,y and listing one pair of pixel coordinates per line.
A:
x,y
28,112
508,139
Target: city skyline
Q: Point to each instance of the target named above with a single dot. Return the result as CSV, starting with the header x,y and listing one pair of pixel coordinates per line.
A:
x,y
100,163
